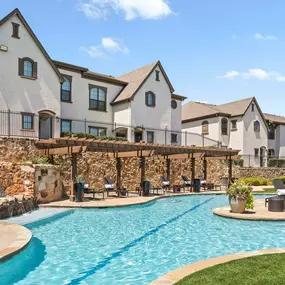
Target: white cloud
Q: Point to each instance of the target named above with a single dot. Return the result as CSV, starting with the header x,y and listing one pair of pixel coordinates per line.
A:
x,y
229,75
107,45
93,51
131,9
254,73
114,45
259,36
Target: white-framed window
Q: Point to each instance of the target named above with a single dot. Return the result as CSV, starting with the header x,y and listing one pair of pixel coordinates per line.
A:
x,y
205,128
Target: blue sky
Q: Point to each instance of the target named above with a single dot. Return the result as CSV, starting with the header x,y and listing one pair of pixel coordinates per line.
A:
x,y
212,50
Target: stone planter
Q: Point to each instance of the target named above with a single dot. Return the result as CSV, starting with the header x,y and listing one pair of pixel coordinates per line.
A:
x,y
237,205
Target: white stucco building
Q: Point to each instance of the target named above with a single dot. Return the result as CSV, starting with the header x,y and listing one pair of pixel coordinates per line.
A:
x,y
46,98
238,125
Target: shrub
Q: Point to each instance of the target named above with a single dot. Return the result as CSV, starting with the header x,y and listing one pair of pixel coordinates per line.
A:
x,y
90,136
255,181
280,178
238,162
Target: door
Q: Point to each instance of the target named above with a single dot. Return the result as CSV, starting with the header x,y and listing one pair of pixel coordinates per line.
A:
x,y
138,136
45,126
262,156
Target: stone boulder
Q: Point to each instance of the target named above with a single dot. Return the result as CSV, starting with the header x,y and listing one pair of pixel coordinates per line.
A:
x,y
16,205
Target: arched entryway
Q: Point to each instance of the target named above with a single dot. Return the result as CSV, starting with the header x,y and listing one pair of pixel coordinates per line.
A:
x,y
46,124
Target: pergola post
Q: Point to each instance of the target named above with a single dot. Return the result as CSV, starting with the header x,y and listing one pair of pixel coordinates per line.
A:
x,y
192,164
119,172
142,166
205,168
230,170
168,169
73,175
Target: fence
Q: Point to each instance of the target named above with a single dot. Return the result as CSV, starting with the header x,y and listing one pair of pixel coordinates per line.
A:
x,y
30,125
249,160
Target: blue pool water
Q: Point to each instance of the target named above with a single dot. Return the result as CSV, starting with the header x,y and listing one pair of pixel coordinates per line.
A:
x,y
134,245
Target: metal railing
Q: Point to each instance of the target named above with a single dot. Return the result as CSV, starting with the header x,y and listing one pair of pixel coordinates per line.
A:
x,y
45,126
251,160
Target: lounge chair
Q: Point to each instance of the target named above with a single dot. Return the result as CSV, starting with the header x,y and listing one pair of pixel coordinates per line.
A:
x,y
165,183
92,191
186,181
110,187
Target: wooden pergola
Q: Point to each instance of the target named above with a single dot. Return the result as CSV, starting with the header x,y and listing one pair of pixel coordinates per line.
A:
x,y
122,149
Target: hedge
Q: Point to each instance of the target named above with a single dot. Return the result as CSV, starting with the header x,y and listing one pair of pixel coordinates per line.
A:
x,y
90,136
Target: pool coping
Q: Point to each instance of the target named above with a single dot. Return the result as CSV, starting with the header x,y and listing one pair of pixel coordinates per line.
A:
x,y
129,202
176,275
260,213
23,237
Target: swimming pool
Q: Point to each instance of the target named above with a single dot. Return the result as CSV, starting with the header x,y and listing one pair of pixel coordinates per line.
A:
x,y
134,245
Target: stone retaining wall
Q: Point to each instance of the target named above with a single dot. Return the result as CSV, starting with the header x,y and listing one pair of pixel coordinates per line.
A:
x,y
265,172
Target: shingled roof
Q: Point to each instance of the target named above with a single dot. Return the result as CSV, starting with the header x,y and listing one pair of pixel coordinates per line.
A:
x,y
136,79
193,111
274,118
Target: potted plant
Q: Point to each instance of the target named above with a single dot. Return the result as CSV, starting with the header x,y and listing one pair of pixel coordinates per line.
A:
x,y
240,197
79,188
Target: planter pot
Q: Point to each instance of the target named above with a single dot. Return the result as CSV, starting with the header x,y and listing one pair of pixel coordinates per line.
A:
x,y
237,205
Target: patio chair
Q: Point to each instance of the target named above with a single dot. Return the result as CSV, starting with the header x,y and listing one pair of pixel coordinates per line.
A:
x,y
165,183
110,187
186,181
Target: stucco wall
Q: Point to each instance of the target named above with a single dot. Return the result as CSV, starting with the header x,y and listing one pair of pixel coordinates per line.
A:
x,y
157,117
79,108
195,127
253,139
21,94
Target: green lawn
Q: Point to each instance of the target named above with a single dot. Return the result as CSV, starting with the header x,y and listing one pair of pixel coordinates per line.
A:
x,y
266,269
266,191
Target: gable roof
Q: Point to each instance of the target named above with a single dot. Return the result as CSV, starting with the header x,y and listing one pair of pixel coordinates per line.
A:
x,y
275,118
236,108
193,111
85,73
136,79
26,25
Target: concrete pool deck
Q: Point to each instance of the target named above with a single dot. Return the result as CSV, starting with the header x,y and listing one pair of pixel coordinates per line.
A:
x,y
13,239
259,213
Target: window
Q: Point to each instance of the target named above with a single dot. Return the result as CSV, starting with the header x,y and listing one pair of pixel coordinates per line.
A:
x,y
256,152
173,104
150,137
271,152
99,132
66,89
271,132
173,138
252,107
150,99
97,98
205,128
224,126
66,126
157,72
234,125
15,30
27,121
256,126
28,68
